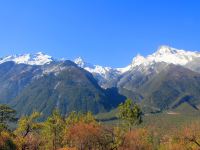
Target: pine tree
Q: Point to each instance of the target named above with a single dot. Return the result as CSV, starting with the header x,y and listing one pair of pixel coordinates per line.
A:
x,y
53,131
7,115
130,113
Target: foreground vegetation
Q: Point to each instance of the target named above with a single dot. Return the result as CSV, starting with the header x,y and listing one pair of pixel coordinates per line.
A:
x,y
79,131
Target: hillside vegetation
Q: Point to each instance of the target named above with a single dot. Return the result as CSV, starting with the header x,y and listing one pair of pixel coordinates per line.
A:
x,y
82,131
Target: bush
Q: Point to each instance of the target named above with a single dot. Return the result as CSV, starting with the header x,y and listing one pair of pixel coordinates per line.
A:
x,y
137,139
84,136
6,142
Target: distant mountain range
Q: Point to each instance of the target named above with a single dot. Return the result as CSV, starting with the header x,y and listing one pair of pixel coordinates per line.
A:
x,y
164,80
55,84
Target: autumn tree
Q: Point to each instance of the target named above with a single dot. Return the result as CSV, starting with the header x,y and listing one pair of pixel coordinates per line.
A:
x,y
84,136
6,141
27,132
130,113
118,137
7,115
84,132
137,139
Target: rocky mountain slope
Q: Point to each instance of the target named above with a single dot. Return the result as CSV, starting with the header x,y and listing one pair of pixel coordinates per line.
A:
x,y
161,81
164,54
49,85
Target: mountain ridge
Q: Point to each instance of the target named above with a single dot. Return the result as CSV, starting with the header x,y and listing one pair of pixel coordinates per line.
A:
x,y
163,54
104,75
31,59
163,80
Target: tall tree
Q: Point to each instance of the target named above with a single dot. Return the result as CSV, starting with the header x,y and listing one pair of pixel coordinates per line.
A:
x,y
28,124
27,131
53,130
130,112
7,114
72,118
75,117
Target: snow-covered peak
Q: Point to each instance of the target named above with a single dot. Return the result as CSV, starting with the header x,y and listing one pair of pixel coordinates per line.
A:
x,y
30,59
166,50
138,60
163,54
168,55
174,56
80,62
96,69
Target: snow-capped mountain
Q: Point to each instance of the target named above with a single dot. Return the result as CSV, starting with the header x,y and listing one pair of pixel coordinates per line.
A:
x,y
162,80
29,59
93,68
164,54
168,55
81,63
102,74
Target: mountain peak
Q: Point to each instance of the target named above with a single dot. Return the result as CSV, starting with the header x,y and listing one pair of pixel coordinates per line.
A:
x,y
165,54
40,53
29,59
173,56
80,62
139,59
166,49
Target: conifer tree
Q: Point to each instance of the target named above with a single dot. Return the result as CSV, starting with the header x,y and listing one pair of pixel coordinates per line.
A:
x,y
53,131
130,113
7,115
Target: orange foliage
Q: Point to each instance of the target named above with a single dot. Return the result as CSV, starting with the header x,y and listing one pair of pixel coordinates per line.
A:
x,y
136,140
184,139
190,135
84,136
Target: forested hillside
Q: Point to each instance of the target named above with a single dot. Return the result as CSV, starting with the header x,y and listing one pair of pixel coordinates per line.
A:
x,y
81,131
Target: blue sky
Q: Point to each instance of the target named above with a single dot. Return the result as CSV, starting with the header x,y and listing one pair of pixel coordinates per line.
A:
x,y
105,32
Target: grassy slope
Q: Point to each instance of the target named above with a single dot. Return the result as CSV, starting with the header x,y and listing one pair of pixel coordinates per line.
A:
x,y
164,122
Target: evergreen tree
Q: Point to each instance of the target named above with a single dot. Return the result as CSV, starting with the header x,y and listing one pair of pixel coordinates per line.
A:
x,y
7,115
130,113
73,118
53,131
